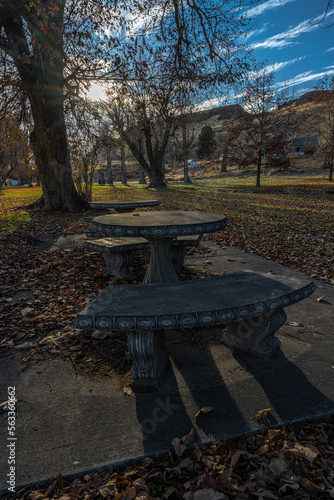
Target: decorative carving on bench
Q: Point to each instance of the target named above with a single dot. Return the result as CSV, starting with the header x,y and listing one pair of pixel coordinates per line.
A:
x,y
251,304
118,264
149,356
256,335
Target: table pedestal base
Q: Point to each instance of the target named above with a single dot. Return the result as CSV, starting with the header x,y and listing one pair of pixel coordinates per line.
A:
x,y
149,356
256,335
161,268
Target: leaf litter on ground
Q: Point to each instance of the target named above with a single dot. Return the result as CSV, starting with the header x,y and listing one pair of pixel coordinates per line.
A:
x,y
292,462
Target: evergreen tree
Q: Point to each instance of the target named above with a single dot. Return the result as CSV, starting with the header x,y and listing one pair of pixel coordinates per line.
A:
x,y
206,143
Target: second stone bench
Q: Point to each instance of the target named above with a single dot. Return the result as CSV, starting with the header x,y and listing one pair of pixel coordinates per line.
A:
x,y
117,252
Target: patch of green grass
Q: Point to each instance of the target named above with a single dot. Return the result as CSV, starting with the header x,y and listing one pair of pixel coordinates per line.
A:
x,y
12,217
11,221
288,220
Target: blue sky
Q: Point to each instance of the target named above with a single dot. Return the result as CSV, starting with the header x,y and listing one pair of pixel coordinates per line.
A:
x,y
288,37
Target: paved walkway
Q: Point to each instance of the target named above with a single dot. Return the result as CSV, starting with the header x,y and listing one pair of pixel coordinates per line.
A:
x,y
68,423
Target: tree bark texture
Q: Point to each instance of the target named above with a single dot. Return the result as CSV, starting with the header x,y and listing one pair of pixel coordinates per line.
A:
x,y
110,179
142,179
40,64
123,171
224,161
49,143
258,170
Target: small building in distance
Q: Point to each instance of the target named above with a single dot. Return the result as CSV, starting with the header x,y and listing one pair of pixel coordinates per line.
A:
x,y
305,145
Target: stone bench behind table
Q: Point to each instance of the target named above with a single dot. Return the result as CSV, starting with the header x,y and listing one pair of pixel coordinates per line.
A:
x,y
117,252
251,304
123,206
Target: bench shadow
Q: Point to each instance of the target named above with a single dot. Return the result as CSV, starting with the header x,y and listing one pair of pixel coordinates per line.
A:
x,y
289,391
163,414
166,414
206,385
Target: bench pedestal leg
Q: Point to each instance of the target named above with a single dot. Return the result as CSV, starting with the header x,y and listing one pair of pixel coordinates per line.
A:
x,y
256,335
118,264
149,356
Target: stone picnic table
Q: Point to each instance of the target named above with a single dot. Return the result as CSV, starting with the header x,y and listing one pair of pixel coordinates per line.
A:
x,y
251,305
123,206
159,229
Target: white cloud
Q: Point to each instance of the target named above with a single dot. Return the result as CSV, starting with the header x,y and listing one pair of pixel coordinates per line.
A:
x,y
302,91
280,65
271,4
258,31
212,103
285,38
304,77
329,50
323,16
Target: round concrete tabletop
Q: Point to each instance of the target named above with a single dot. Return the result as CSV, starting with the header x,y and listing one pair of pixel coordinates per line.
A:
x,y
159,224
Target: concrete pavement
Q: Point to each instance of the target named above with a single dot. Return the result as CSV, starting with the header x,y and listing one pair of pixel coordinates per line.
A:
x,y
70,423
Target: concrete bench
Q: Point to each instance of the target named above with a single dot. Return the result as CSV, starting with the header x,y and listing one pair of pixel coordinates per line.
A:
x,y
251,304
123,206
117,252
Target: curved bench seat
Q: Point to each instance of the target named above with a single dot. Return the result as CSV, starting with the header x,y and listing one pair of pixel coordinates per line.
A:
x,y
251,304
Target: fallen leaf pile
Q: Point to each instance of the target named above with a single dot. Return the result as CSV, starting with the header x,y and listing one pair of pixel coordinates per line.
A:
x,y
293,462
292,227
288,221
42,292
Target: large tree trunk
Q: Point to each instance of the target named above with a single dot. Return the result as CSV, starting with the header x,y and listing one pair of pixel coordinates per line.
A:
x,y
110,179
328,163
156,177
49,143
154,167
186,179
123,171
41,69
142,179
224,161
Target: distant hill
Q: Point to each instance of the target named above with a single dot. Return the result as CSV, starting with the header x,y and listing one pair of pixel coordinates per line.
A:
x,y
220,113
303,99
305,106
227,112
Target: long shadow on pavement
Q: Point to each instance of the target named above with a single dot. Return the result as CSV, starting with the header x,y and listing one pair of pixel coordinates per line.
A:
x,y
162,415
166,414
290,393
